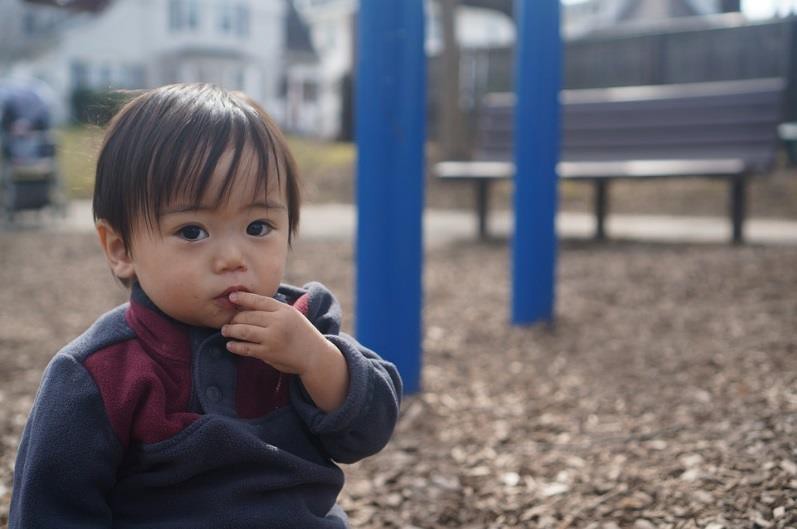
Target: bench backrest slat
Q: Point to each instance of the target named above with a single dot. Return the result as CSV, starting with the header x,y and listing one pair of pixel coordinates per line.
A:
x,y
735,119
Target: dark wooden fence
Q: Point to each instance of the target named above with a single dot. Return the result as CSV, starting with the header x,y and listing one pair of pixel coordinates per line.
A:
x,y
690,50
716,48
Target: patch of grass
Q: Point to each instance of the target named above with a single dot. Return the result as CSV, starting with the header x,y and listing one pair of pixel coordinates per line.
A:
x,y
78,147
315,155
326,169
77,157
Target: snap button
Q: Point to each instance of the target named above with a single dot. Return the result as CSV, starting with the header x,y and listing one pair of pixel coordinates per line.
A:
x,y
213,394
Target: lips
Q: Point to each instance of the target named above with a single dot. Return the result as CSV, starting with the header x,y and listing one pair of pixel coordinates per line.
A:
x,y
223,299
236,288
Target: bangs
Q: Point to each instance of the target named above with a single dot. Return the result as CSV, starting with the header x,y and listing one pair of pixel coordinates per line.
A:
x,y
165,146
183,168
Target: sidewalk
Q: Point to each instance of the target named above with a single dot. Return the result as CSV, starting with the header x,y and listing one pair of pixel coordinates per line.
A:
x,y
441,226
337,222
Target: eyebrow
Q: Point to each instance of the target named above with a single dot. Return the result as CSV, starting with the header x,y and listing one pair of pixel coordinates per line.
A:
x,y
193,208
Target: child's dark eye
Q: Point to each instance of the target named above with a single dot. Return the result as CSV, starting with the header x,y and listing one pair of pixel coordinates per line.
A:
x,y
192,233
258,228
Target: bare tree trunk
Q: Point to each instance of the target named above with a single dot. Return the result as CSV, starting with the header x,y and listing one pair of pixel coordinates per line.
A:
x,y
450,132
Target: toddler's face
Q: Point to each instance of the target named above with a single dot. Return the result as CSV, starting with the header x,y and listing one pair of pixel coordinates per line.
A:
x,y
200,252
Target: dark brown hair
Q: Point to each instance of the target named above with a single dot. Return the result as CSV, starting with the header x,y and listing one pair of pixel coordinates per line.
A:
x,y
166,143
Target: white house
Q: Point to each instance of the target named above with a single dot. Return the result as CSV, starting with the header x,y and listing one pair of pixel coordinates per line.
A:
x,y
24,28
332,25
300,108
238,44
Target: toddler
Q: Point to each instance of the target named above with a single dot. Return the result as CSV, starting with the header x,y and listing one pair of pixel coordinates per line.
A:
x,y
218,397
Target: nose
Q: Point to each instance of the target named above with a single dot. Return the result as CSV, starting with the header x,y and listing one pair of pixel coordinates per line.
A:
x,y
229,257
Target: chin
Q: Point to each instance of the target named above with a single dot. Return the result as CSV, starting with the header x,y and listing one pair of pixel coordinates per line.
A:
x,y
211,321
218,321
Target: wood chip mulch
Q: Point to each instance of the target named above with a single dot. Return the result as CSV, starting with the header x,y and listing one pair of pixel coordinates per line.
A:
x,y
664,396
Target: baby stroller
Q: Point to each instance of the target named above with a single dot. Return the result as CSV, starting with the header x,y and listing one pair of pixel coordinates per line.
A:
x,y
29,178
29,172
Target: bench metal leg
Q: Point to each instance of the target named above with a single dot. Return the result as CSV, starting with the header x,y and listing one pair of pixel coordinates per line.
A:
x,y
738,208
482,205
601,207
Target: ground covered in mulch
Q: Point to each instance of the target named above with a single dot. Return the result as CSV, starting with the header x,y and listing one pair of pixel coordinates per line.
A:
x,y
665,396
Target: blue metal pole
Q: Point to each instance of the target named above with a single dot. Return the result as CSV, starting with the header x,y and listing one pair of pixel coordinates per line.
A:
x,y
390,130
538,80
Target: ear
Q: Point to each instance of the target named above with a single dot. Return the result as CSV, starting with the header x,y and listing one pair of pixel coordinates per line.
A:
x,y
119,259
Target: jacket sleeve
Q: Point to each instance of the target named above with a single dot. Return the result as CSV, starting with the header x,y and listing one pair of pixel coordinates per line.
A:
x,y
68,455
363,424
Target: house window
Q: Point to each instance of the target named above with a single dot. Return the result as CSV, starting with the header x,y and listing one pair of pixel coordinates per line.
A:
x,y
183,14
328,38
29,24
242,20
105,76
175,15
193,14
79,74
283,86
309,91
226,15
132,76
138,76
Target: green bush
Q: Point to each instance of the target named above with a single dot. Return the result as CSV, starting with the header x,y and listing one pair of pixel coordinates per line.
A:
x,y
96,107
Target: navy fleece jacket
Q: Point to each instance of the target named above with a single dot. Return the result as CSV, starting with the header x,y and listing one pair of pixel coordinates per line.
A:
x,y
143,422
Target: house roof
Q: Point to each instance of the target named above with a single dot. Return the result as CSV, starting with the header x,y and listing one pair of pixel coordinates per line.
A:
x,y
297,34
76,5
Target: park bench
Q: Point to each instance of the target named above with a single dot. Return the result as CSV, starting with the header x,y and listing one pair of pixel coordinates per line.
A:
x,y
724,130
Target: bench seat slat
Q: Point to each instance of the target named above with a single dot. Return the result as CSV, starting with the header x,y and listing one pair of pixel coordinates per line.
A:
x,y
651,168
470,170
593,170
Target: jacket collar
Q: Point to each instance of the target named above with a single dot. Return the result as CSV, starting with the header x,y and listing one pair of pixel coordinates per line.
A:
x,y
158,332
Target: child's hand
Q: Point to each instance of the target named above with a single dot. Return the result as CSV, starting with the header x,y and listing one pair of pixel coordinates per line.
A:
x,y
274,332
284,338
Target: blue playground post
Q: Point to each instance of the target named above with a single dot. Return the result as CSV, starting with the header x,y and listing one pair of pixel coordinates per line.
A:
x,y
390,130
538,79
